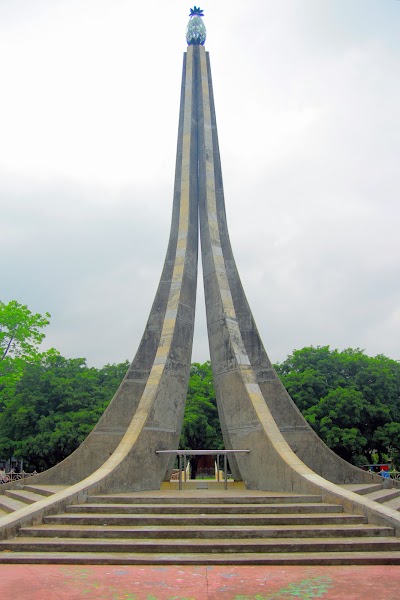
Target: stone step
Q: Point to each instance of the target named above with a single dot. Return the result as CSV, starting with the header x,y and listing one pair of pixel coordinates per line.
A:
x,y
214,509
305,545
13,500
383,496
362,488
203,484
133,558
195,520
394,504
9,505
191,528
25,496
205,531
45,490
270,498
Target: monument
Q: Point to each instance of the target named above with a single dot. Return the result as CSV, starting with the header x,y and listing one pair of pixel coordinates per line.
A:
x,y
256,412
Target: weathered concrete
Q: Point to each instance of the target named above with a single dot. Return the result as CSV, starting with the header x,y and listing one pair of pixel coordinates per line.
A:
x,y
146,412
256,411
218,523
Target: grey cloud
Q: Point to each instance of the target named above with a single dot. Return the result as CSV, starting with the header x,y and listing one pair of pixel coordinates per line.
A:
x,y
307,98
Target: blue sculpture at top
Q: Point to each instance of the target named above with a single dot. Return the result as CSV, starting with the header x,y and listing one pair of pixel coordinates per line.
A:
x,y
196,10
196,31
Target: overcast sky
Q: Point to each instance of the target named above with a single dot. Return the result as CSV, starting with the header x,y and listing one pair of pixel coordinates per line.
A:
x,y
308,107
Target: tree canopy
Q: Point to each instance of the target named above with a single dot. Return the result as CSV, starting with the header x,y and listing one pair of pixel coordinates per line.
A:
x,y
21,333
20,330
48,403
349,398
56,403
201,428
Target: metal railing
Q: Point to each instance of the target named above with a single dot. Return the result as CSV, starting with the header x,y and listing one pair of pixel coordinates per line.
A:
x,y
12,476
382,469
182,454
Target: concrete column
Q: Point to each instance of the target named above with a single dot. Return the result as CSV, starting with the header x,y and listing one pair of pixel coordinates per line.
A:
x,y
146,412
244,378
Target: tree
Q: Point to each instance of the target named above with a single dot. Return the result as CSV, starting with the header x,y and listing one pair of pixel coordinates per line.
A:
x,y
49,404
56,403
20,336
20,330
349,398
201,429
338,418
388,438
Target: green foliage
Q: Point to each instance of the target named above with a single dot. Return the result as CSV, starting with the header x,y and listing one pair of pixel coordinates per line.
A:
x,y
388,437
349,398
56,403
48,404
201,429
20,336
20,331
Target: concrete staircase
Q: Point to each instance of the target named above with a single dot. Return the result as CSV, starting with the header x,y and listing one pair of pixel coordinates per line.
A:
x,y
13,500
374,491
203,527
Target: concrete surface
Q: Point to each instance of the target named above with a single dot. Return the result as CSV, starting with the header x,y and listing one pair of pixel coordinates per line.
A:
x,y
146,413
73,582
255,410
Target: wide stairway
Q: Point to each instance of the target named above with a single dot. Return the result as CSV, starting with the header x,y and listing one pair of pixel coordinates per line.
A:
x,y
390,497
203,527
13,500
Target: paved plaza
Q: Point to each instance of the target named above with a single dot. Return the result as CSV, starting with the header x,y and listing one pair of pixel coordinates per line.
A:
x,y
73,582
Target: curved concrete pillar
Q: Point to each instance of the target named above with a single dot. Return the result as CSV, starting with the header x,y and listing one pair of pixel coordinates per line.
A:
x,y
151,398
243,374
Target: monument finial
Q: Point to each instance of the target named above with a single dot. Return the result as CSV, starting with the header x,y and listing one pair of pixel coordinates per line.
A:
x,y
196,31
196,11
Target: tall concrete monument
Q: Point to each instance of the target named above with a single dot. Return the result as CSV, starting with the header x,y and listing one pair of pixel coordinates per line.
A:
x,y
256,412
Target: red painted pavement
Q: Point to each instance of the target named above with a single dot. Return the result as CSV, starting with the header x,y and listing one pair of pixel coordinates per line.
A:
x,y
58,582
